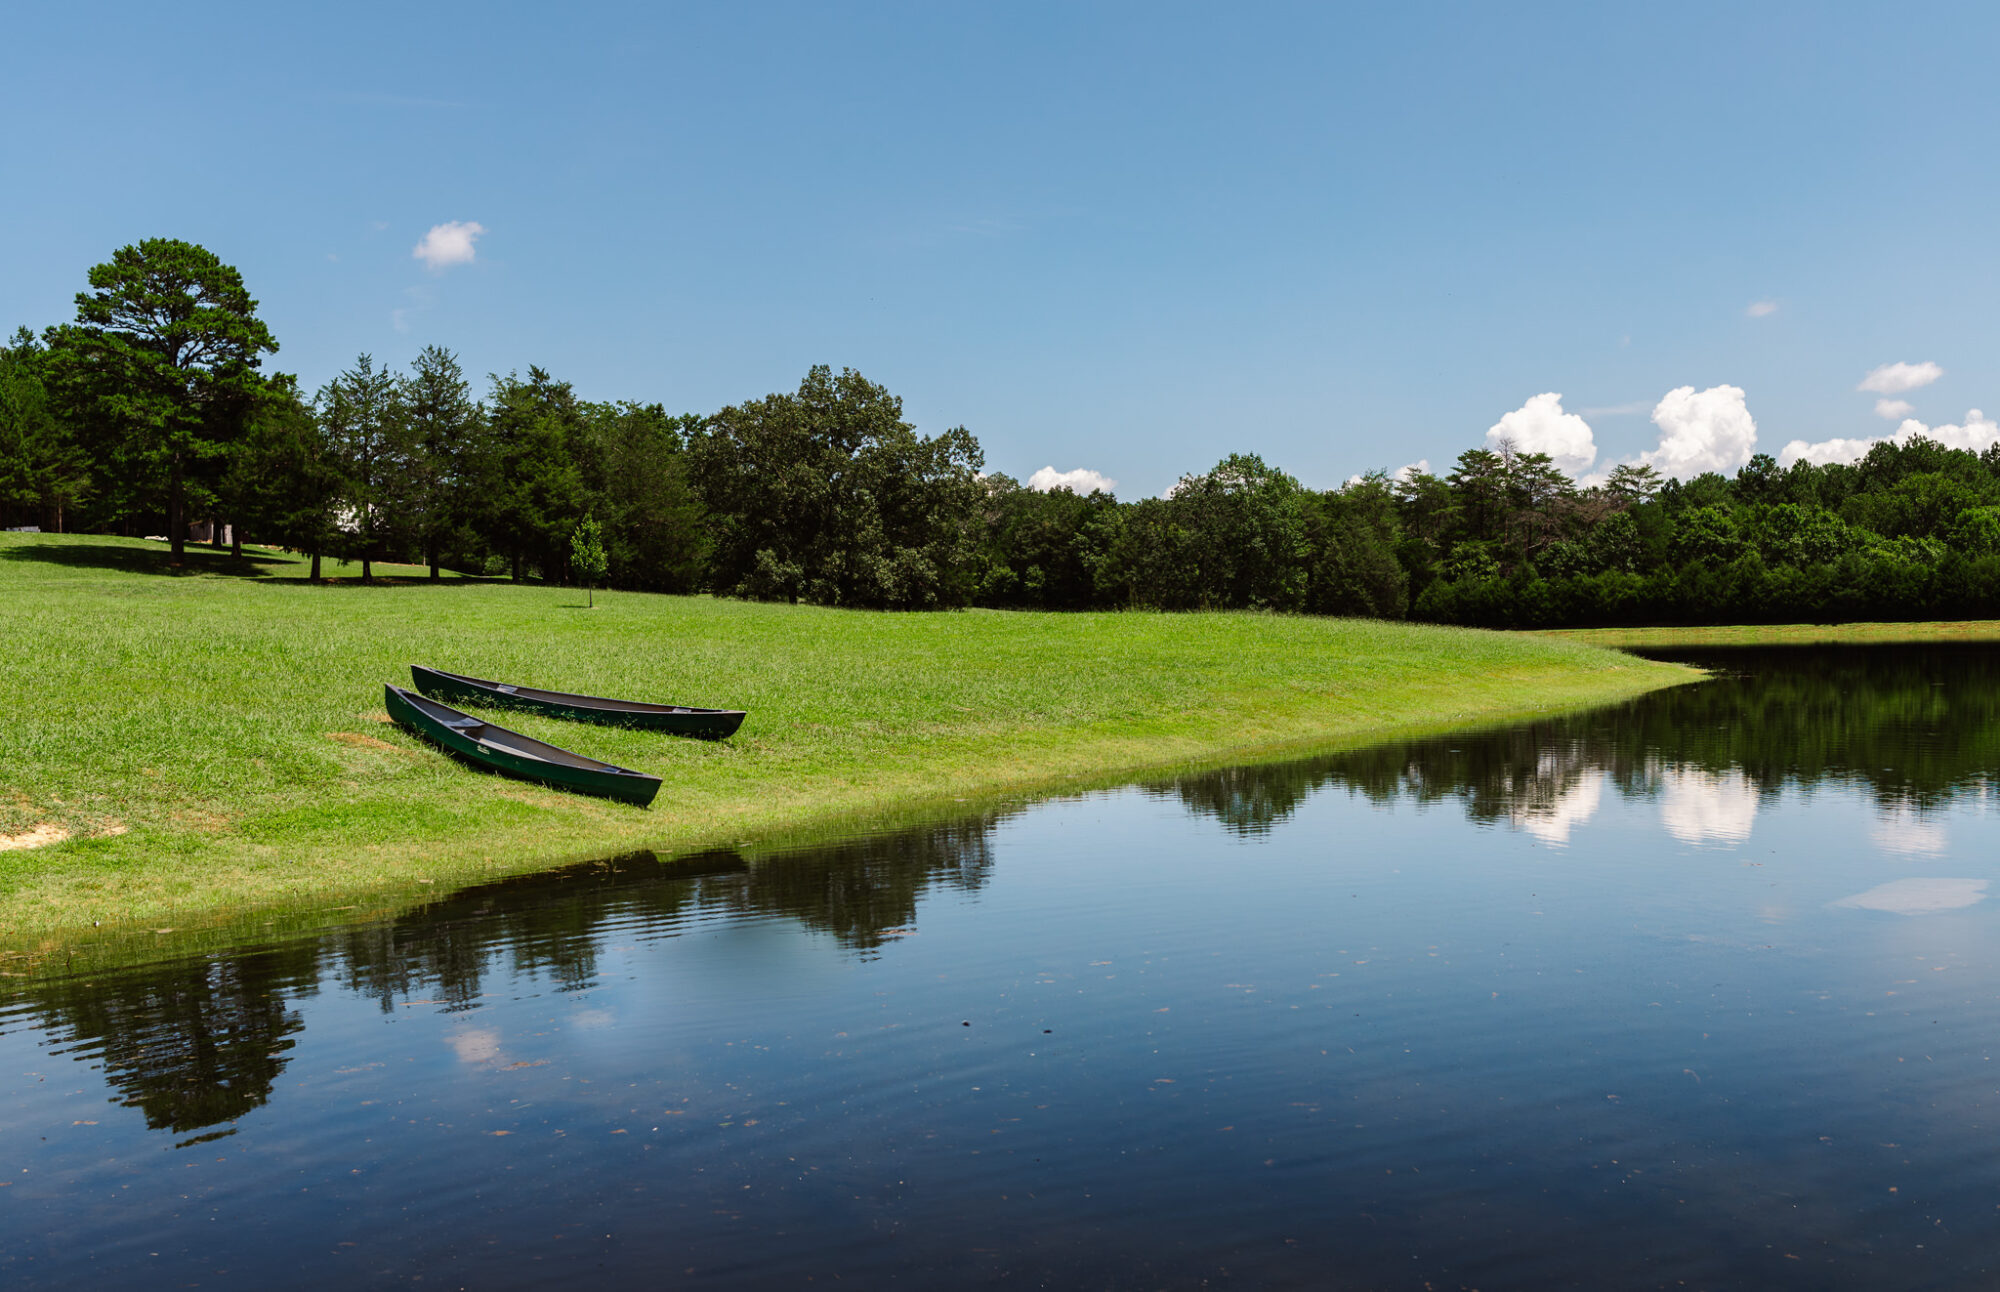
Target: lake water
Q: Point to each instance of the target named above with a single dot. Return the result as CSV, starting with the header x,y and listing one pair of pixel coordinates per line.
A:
x,y
1699,991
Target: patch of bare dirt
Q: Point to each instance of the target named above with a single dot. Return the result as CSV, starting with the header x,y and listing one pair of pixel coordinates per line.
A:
x,y
40,836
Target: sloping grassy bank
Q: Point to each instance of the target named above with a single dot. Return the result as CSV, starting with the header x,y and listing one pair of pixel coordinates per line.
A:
x,y
1954,630
214,743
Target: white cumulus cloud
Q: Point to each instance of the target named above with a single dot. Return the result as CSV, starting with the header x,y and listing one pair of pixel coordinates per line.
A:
x,y
1895,378
1081,480
1705,430
1976,433
1761,309
1893,409
448,244
1541,426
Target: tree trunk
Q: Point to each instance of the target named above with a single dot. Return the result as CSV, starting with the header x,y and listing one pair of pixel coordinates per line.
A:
x,y
235,540
435,574
315,573
517,567
214,532
176,530
367,568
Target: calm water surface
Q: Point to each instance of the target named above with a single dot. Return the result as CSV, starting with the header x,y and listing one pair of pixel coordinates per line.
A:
x,y
1701,991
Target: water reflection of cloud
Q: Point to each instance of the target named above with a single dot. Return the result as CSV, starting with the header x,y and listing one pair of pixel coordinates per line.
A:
x,y
1701,807
475,1044
1902,832
1552,820
1918,896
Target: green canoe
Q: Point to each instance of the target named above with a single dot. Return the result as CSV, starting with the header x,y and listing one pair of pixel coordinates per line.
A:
x,y
512,754
677,719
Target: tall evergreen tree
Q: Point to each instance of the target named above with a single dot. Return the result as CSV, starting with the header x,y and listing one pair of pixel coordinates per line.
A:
x,y
41,464
443,425
635,472
285,482
362,417
163,358
531,491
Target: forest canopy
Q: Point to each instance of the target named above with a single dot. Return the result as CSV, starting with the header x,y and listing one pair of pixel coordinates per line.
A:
x,y
149,411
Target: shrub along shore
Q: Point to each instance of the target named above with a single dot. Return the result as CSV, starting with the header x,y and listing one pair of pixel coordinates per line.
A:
x,y
213,741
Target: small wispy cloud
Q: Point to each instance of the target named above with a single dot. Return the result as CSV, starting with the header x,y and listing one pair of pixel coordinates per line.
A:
x,y
1895,378
448,244
1761,309
400,320
1632,409
1081,480
1894,410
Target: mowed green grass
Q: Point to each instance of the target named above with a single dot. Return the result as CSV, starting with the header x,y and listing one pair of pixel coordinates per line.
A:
x,y
215,742
1956,630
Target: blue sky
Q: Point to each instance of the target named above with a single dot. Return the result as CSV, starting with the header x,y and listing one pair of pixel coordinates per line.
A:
x,y
1129,239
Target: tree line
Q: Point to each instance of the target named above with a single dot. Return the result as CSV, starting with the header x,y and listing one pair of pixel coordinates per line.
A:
x,y
150,410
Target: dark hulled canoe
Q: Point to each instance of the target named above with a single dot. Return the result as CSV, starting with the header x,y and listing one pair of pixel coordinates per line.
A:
x,y
513,754
679,719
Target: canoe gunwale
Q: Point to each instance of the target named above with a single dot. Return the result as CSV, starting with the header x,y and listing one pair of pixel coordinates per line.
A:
x,y
676,719
494,748
507,691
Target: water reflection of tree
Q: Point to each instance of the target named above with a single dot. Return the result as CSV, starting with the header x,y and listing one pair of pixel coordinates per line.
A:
x,y
196,1043
1916,725
191,1044
551,926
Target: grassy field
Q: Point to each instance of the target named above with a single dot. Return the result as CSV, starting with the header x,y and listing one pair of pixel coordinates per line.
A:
x,y
1972,630
214,745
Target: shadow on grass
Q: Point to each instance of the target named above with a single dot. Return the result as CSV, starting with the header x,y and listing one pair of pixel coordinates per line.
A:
x,y
264,566
393,581
140,560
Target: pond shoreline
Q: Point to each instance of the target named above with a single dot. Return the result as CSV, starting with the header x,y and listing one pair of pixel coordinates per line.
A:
x,y
1885,633
214,742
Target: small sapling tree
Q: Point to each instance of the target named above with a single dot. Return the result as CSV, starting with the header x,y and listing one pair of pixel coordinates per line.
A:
x,y
586,555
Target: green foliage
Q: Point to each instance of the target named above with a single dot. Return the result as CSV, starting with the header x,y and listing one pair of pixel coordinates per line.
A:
x,y
161,363
42,467
531,490
1921,504
635,475
444,429
1045,550
367,435
586,554
286,483
1976,532
828,496
1706,535
1234,537
1352,535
